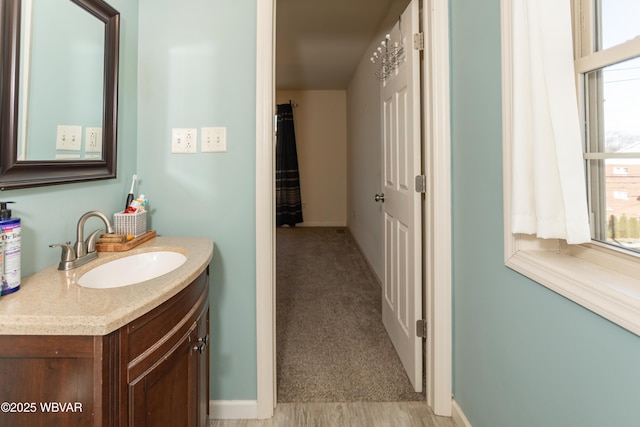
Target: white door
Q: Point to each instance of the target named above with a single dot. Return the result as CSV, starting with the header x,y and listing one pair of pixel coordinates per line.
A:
x,y
402,292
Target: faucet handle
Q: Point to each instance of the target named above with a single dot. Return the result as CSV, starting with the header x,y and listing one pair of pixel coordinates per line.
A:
x,y
67,251
91,241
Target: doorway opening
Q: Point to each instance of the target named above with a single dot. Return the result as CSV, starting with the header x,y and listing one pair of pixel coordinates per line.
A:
x,y
322,134
437,258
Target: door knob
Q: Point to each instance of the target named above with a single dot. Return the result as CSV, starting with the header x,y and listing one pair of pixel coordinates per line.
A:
x,y
379,198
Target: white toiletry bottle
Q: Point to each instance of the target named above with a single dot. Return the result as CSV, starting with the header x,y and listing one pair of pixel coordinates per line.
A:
x,y
9,251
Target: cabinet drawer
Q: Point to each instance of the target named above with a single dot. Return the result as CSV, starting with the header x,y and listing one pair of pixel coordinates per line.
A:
x,y
163,327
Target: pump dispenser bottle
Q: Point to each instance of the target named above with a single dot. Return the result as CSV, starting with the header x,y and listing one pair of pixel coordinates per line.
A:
x,y
9,251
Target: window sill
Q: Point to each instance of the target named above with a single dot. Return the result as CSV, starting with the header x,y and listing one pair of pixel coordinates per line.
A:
x,y
607,292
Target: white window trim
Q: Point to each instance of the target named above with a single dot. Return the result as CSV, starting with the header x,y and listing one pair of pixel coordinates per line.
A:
x,y
603,280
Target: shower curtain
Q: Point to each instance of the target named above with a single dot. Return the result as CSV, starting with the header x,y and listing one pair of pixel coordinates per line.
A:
x,y
288,201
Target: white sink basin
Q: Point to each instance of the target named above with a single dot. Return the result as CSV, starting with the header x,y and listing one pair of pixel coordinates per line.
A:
x,y
132,269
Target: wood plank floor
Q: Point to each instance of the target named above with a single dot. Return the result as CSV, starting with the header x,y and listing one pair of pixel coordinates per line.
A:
x,y
351,414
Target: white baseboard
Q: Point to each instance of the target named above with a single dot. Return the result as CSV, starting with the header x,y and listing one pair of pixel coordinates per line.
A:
x,y
322,224
366,259
458,416
233,409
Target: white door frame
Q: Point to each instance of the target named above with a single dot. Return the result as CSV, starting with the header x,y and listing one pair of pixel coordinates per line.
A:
x,y
438,233
437,227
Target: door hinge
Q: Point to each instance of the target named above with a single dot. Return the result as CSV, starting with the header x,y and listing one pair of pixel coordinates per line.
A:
x,y
418,41
421,183
421,328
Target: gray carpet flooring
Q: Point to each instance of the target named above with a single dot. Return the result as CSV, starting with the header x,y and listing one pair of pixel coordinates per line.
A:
x,y
331,344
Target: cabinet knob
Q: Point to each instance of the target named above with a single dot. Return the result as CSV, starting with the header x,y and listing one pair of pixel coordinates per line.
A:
x,y
202,344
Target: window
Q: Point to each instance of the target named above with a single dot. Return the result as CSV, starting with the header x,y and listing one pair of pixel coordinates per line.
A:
x,y
603,276
608,68
620,170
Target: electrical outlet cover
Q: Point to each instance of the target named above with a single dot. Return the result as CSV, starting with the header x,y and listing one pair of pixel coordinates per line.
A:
x,y
93,140
184,140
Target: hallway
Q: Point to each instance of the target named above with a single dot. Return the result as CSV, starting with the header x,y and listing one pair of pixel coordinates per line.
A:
x,y
331,344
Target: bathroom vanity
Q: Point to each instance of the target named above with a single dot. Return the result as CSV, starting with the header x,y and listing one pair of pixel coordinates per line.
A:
x,y
130,356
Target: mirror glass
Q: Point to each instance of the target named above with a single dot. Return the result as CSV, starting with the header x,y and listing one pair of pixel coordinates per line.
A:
x,y
61,82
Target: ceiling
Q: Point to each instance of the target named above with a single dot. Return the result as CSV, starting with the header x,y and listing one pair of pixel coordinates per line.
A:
x,y
319,43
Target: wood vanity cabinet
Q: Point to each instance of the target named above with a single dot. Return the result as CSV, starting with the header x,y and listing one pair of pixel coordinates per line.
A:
x,y
153,371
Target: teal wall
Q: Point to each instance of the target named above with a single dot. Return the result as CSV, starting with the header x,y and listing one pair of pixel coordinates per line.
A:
x,y
523,355
197,68
50,214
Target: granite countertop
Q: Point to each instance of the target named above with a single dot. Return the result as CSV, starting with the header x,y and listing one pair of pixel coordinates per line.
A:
x,y
50,302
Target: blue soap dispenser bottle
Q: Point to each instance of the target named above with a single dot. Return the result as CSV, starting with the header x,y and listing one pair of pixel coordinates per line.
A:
x,y
9,251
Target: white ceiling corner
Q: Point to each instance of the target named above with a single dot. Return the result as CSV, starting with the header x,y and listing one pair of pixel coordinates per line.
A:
x,y
319,43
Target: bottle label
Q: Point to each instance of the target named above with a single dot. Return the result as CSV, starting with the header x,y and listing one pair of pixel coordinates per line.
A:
x,y
10,257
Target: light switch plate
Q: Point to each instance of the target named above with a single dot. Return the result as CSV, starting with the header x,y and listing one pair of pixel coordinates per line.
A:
x,y
184,140
69,138
213,140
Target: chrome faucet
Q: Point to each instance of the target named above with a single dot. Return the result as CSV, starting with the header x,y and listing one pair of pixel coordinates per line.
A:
x,y
83,250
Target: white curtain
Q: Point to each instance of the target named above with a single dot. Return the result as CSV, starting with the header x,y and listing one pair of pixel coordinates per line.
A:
x,y
549,191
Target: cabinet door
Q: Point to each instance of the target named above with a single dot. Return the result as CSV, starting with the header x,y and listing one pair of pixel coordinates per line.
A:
x,y
167,358
165,394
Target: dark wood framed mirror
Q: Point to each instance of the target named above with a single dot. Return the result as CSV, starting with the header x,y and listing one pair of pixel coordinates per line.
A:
x,y
22,173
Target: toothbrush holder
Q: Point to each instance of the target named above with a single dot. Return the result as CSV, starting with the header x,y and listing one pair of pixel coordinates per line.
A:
x,y
130,223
